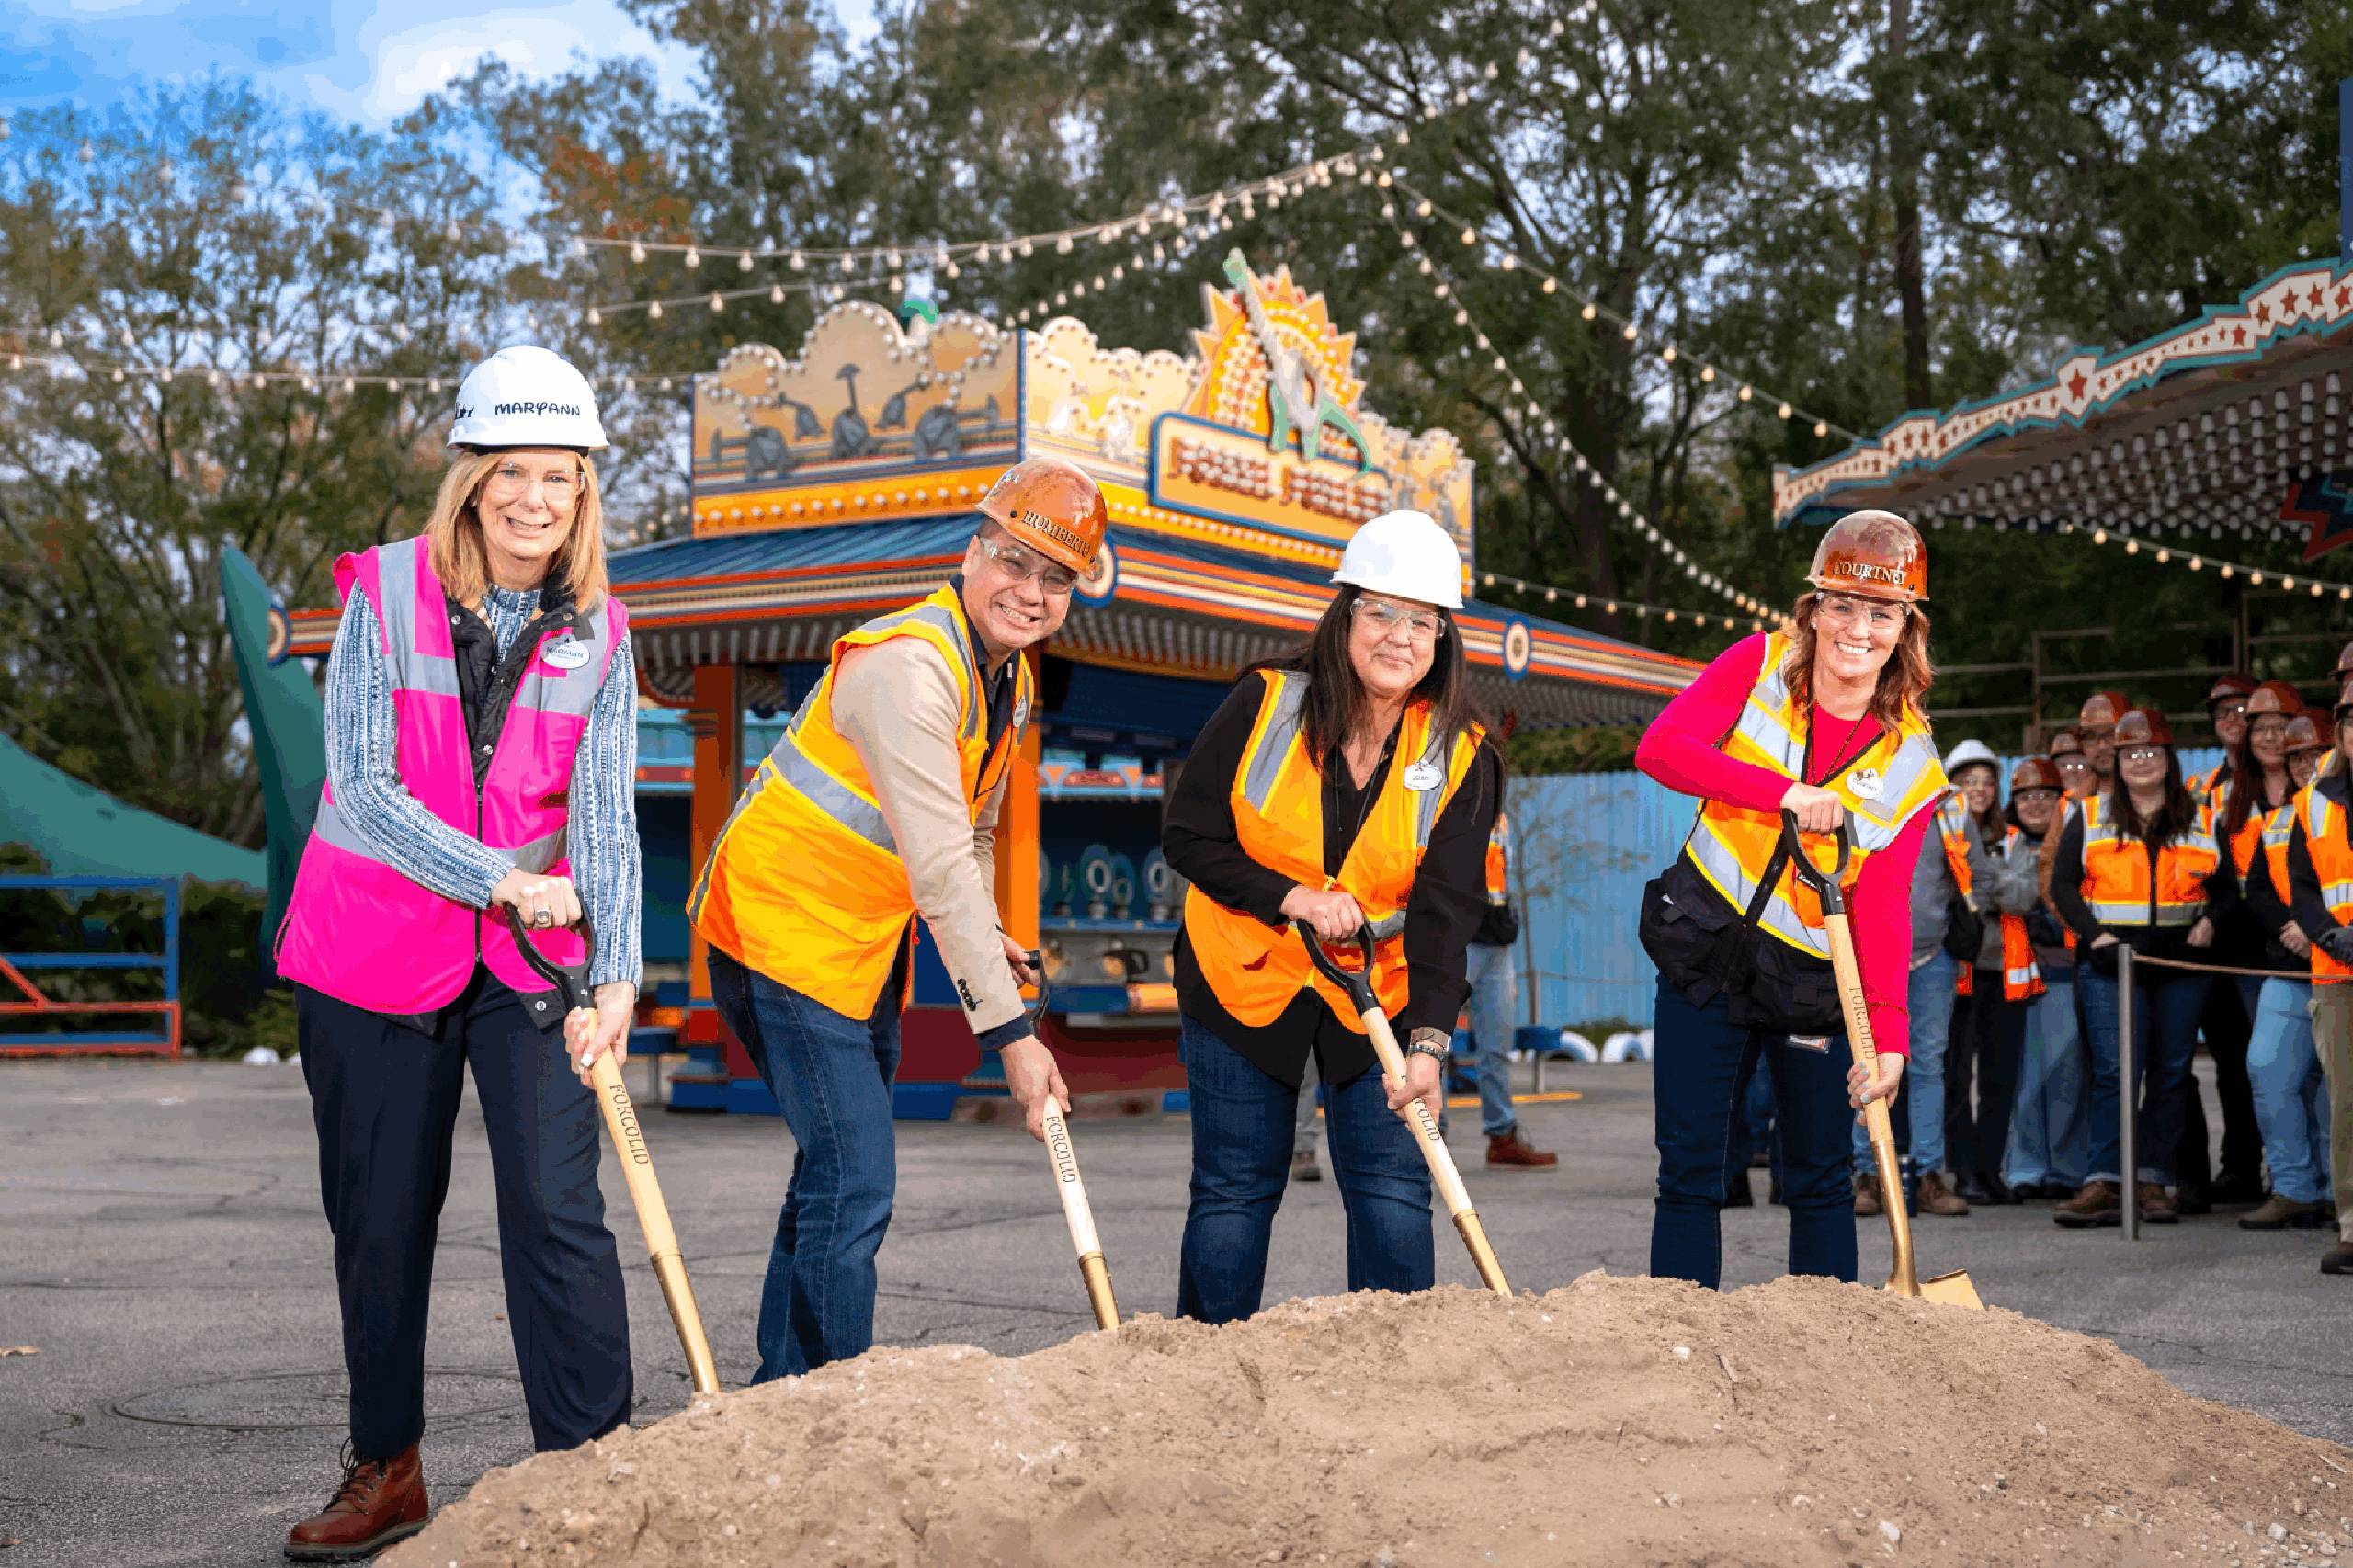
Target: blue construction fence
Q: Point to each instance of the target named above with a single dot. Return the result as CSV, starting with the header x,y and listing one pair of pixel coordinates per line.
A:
x,y
1583,845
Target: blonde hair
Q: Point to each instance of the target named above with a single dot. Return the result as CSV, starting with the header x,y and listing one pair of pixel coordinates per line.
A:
x,y
1903,681
453,534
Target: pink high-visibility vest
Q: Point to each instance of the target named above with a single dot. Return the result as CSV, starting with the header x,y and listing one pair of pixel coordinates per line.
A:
x,y
360,931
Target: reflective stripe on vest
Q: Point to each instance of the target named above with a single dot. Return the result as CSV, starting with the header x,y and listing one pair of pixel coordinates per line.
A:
x,y
1896,777
1278,800
355,927
2021,975
1499,861
2117,874
2278,828
805,882
2332,856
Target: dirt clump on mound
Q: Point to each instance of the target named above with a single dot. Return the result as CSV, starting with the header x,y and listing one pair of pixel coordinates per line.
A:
x,y
1613,1421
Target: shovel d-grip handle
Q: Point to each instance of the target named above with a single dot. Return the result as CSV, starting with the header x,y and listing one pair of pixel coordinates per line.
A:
x,y
571,980
1357,983
1824,883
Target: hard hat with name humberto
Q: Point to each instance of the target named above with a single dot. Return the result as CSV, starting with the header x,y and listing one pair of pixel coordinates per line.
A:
x,y
1404,554
2274,697
1877,554
1972,754
2142,727
2102,710
2035,773
526,396
2229,685
1052,505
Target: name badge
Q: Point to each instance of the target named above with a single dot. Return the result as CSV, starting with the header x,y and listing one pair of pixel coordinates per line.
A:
x,y
1866,782
1425,775
566,654
1817,1043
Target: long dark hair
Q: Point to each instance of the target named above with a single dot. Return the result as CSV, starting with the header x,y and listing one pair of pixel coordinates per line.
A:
x,y
2246,784
2175,818
1335,699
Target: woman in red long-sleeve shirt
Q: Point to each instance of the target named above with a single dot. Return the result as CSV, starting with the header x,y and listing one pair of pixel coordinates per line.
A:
x,y
1825,721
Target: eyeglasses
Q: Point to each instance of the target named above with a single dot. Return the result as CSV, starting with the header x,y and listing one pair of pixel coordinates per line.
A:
x,y
2268,729
1844,610
2231,707
511,479
1021,566
2142,753
1420,624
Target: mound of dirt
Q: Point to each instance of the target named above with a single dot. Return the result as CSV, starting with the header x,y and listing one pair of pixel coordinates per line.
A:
x,y
1613,1421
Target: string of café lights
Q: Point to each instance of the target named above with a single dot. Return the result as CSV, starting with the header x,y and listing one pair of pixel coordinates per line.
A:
x,y
2162,554
1551,433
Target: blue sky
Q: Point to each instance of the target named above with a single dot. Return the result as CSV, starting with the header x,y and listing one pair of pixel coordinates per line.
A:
x,y
359,60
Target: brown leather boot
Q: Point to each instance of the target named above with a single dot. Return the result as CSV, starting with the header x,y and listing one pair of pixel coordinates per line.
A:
x,y
1513,1149
2098,1203
2156,1209
1867,1201
1935,1196
379,1502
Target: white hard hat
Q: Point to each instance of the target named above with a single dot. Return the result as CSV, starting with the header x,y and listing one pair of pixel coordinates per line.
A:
x,y
1407,554
1969,753
526,396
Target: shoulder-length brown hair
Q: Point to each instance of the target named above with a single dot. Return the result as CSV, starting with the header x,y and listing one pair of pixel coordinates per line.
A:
x,y
453,534
2246,793
1336,698
1903,680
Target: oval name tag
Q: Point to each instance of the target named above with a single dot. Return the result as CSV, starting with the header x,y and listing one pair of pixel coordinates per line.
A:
x,y
1425,775
1866,782
565,653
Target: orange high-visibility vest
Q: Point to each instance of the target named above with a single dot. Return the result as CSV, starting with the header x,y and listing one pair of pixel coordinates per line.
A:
x,y
2278,828
805,883
1499,861
2325,841
2022,976
1278,800
1895,778
2117,883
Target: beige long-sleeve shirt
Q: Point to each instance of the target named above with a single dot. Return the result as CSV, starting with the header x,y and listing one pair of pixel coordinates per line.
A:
x,y
896,701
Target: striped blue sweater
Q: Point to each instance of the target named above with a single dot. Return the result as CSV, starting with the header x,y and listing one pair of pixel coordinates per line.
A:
x,y
363,766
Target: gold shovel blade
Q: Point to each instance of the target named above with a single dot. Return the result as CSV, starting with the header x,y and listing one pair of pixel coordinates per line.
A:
x,y
1953,1289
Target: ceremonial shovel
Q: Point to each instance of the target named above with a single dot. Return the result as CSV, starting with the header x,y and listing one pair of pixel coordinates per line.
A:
x,y
1358,984
637,1164
1092,1270
1953,1289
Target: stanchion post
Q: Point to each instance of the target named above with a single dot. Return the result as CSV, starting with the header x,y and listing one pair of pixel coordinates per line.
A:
x,y
2128,1093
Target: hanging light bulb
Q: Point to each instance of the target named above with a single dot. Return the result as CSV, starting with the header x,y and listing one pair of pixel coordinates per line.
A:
x,y
776,293
744,262
693,257
636,248
717,303
596,316
798,262
654,310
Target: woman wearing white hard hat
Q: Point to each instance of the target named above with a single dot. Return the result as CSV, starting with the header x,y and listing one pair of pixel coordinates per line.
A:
x,y
482,742
1996,873
1346,784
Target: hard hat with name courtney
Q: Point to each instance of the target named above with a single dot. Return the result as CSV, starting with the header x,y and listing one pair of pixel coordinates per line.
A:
x,y
526,396
1972,754
1873,553
1407,555
1052,505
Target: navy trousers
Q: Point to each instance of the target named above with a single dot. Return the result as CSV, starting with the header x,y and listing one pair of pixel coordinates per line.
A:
x,y
385,1097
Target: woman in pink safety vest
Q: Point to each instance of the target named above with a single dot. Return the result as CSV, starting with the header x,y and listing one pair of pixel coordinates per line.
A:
x,y
481,756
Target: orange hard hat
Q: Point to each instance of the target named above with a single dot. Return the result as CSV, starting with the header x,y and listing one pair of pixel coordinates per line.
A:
x,y
2035,773
2064,742
2303,734
1874,553
2274,697
2344,700
2231,684
1052,507
2103,709
2345,662
2142,727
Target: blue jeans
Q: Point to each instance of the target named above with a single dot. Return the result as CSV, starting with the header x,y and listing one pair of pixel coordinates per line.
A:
x,y
1491,1008
2047,1137
2164,1036
1928,996
1241,1148
2291,1096
1701,1059
832,1075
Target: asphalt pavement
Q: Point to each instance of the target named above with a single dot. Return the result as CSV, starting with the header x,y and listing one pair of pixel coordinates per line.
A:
x,y
163,1247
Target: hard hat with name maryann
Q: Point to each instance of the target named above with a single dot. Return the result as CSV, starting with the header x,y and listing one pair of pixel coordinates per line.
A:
x,y
2142,727
1972,754
2303,734
1405,554
1052,505
2063,743
526,396
2274,697
2229,685
1874,553
2102,710
2035,773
